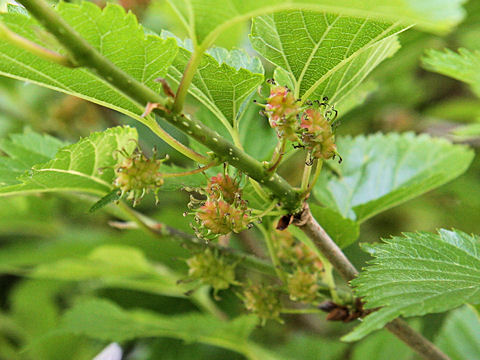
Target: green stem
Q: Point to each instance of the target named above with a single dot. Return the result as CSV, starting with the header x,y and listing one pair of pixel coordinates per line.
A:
x,y
277,155
327,277
273,254
191,172
318,169
86,55
174,143
187,78
163,231
302,311
307,170
44,53
267,211
138,220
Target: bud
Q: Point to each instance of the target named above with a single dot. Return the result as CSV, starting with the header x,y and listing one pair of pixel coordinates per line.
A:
x,y
136,175
317,134
263,301
282,109
302,286
211,269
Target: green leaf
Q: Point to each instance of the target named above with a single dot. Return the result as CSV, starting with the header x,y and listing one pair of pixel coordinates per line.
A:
x,y
103,320
114,33
112,196
109,261
418,274
325,55
256,136
343,231
29,216
223,81
381,346
464,66
309,347
118,266
468,131
24,151
205,19
460,335
382,171
35,308
86,166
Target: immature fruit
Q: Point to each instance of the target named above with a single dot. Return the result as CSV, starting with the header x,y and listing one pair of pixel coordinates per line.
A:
x,y
293,252
317,134
302,286
136,175
223,187
211,269
263,301
282,109
221,218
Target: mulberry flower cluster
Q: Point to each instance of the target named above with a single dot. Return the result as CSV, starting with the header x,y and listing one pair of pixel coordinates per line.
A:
x,y
212,269
308,124
304,266
224,211
136,175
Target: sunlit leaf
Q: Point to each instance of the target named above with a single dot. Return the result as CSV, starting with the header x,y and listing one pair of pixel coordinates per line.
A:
x,y
381,171
418,274
86,166
114,33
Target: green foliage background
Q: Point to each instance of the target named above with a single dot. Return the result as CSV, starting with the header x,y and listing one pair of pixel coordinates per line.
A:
x,y
65,271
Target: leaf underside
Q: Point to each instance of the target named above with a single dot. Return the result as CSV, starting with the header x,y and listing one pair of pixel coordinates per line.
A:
x,y
324,54
207,18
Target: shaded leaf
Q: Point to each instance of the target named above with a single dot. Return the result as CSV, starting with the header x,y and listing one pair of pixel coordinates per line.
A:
x,y
381,346
24,151
381,171
115,266
256,136
114,33
417,274
324,54
103,320
309,347
343,231
459,337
